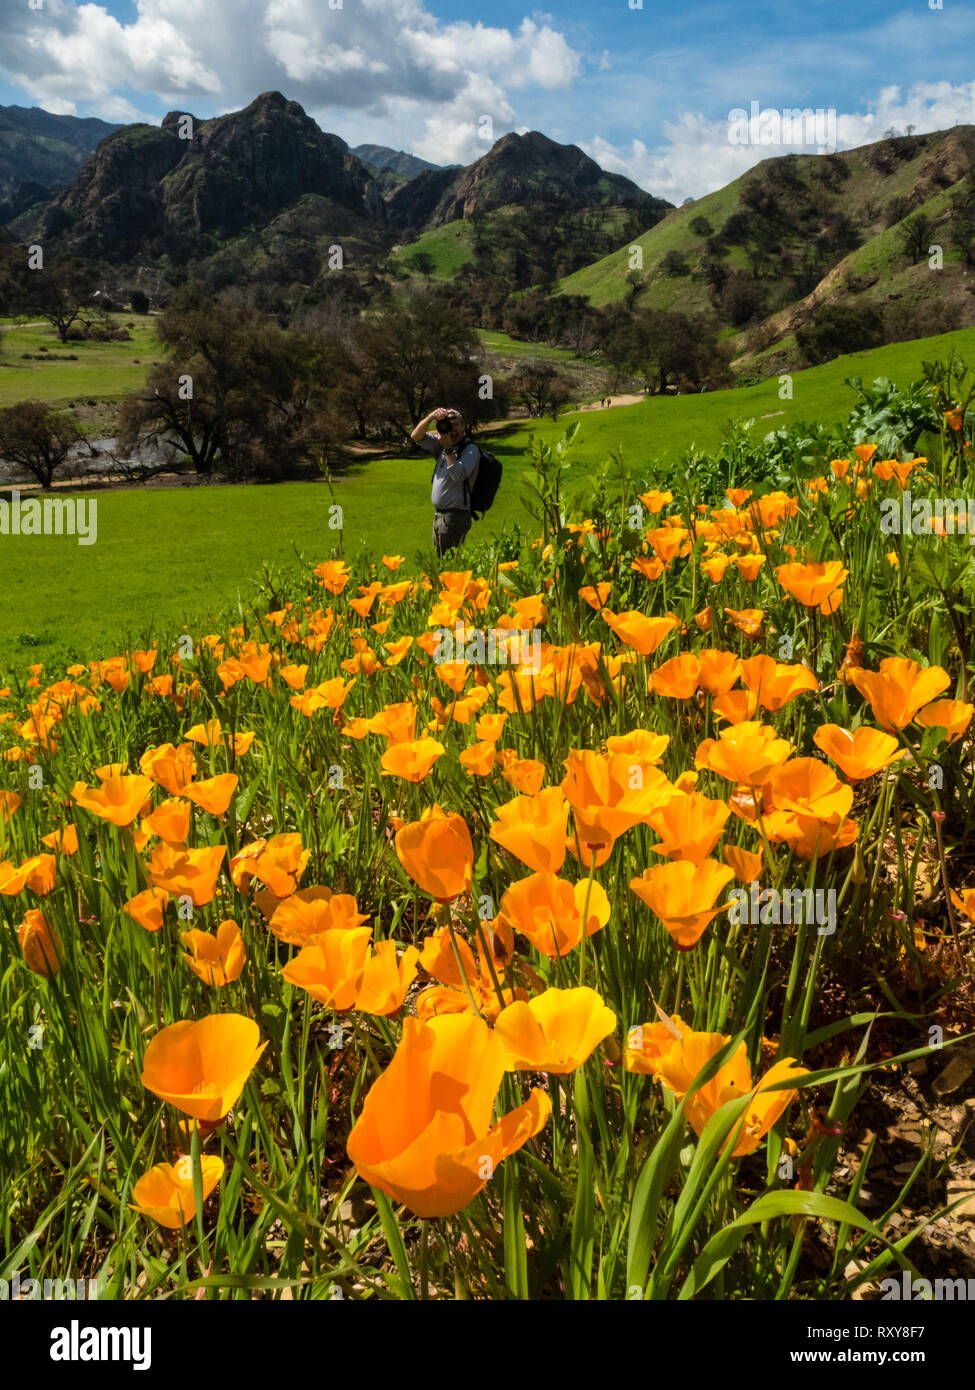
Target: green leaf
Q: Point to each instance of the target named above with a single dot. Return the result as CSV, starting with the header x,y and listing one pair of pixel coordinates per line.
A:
x,y
645,1207
722,1246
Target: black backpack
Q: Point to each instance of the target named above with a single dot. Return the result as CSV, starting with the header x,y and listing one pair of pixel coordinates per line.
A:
x,y
487,480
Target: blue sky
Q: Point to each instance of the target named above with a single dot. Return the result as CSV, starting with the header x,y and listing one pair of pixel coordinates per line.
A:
x,y
646,91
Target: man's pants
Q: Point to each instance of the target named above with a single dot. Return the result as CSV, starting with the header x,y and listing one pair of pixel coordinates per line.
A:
x,y
449,529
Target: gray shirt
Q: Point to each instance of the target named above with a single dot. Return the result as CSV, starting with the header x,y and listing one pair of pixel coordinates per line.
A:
x,y
448,492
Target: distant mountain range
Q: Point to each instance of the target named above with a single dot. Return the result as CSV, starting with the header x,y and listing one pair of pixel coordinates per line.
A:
x,y
36,147
398,161
269,171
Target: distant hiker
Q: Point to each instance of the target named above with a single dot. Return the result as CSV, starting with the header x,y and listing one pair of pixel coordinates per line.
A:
x,y
454,476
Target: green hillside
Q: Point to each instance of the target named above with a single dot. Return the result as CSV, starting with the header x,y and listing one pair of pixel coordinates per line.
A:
x,y
606,280
450,246
826,226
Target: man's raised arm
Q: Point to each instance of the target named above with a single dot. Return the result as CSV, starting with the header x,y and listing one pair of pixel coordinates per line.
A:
x,y
421,431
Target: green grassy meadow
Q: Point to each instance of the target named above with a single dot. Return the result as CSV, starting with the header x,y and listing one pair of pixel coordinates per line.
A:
x,y
103,371
166,555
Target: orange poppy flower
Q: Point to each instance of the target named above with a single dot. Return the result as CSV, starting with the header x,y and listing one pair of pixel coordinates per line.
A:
x,y
450,960
279,864
396,723
655,500
682,895
169,821
859,754
64,841
39,874
899,689
748,753
386,978
167,1193
810,836
148,908
714,567
718,670
144,661
766,512
479,759
187,873
610,793
749,566
638,631
642,745
746,866
216,960
689,826
533,828
308,913
333,575
677,678
776,683
330,967
9,802
454,674
209,734
213,795
965,902
649,566
526,775
490,727
330,695
681,1063
171,767
736,707
647,1043
595,595
954,716
437,853
554,1032
812,584
118,800
411,761
809,787
41,945
747,620
669,541
425,1136
202,1067
293,676
549,911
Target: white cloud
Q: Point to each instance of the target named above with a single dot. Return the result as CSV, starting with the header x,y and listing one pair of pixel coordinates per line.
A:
x,y
697,156
124,112
387,70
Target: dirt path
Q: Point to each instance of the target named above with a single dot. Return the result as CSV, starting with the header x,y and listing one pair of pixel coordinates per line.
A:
x,y
613,400
595,405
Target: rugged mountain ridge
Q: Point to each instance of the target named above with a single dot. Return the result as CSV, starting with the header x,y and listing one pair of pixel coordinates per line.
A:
x,y
184,189
149,191
517,169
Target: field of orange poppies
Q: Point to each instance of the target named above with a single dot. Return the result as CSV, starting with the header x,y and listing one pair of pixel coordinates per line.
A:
x,y
512,931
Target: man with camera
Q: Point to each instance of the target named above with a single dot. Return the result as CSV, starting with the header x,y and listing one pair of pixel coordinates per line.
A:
x,y
453,477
